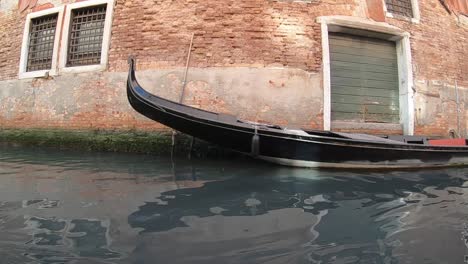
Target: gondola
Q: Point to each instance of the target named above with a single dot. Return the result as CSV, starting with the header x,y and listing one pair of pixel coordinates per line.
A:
x,y
293,147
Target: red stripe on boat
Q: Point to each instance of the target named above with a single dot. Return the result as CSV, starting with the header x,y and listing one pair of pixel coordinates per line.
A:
x,y
448,142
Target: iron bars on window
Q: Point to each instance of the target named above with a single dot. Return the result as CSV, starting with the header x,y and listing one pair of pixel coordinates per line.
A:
x,y
41,43
86,34
400,7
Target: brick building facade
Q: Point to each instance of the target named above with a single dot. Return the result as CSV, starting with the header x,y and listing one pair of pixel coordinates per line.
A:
x,y
279,61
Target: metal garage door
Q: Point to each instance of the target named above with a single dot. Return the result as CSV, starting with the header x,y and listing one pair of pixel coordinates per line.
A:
x,y
364,79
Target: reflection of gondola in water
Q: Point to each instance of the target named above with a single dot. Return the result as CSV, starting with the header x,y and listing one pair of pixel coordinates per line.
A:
x,y
269,191
294,147
274,209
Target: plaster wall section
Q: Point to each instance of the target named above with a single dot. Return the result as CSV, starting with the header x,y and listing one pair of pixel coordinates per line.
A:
x,y
8,5
441,108
98,101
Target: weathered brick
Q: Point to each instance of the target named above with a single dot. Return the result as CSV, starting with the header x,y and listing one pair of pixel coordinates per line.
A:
x,y
227,34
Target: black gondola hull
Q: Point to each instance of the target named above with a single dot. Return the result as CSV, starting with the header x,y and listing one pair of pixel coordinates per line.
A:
x,y
289,147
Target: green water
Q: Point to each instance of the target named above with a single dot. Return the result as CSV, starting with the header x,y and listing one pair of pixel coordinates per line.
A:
x,y
80,207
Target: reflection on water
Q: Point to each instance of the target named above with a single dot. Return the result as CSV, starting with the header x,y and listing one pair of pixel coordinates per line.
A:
x,y
71,207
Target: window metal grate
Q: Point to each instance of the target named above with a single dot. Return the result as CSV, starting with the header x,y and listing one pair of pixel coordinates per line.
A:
x,y
400,7
41,42
86,33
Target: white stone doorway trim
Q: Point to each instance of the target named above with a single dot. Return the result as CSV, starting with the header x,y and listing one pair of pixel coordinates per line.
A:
x,y
401,38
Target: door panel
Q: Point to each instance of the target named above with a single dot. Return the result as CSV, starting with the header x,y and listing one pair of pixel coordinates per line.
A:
x,y
364,79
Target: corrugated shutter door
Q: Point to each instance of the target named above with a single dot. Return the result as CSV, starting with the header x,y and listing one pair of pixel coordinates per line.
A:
x,y
364,79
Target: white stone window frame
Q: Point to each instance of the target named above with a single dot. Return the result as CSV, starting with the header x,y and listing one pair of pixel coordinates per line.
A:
x,y
23,73
416,14
405,72
105,41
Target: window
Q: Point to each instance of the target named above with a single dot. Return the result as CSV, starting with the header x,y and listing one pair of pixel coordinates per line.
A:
x,y
40,44
86,36
403,9
83,38
400,7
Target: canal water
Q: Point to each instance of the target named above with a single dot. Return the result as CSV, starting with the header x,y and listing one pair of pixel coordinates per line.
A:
x,y
77,207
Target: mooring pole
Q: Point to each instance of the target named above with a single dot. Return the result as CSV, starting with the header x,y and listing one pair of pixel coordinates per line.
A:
x,y
186,69
191,148
181,99
458,109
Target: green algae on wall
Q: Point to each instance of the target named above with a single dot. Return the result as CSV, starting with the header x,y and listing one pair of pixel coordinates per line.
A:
x,y
159,143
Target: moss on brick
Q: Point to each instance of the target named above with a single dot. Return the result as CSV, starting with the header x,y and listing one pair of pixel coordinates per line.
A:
x,y
115,141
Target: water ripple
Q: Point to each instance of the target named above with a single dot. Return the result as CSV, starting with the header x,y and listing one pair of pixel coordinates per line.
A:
x,y
64,207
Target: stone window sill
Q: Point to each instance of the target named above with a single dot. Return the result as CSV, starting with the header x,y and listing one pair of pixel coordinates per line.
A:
x,y
400,17
365,126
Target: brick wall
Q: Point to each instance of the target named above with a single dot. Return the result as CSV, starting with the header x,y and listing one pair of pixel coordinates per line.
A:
x,y
439,44
11,33
229,37
257,33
